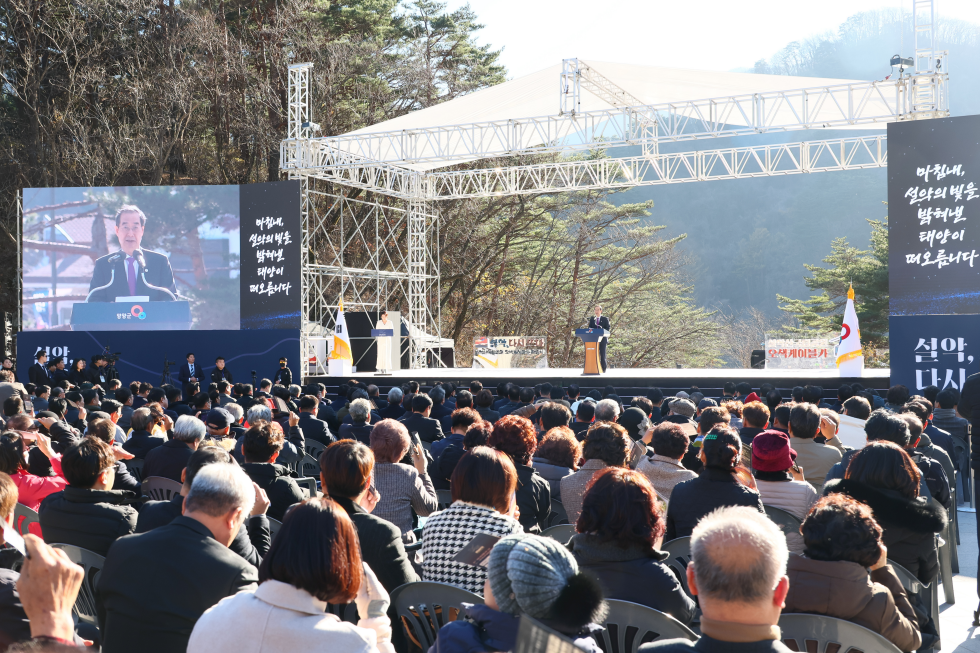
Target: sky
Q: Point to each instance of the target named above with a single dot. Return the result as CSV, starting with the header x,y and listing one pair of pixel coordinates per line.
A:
x,y
704,34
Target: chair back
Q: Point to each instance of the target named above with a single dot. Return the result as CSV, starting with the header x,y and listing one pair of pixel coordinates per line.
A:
x,y
629,625
817,633
927,594
309,484
135,467
787,522
314,448
562,532
23,518
445,498
159,488
346,612
274,526
308,467
425,607
558,515
679,551
92,563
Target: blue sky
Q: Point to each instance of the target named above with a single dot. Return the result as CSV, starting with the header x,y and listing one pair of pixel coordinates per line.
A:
x,y
705,34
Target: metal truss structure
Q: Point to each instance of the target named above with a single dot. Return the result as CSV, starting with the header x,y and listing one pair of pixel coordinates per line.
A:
x,y
380,248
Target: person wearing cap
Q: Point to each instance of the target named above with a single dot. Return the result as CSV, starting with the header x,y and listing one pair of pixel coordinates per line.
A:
x,y
218,423
527,575
717,486
774,464
705,403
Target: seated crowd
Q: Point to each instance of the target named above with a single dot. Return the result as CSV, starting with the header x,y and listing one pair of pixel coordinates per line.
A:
x,y
406,482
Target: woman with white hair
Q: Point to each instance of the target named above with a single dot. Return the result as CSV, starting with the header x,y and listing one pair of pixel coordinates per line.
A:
x,y
402,487
360,426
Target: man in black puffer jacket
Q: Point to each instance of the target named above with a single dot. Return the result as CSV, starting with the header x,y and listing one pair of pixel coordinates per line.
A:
x,y
261,447
88,513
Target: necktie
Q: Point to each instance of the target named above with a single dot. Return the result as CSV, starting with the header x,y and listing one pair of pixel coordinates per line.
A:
x,y
131,274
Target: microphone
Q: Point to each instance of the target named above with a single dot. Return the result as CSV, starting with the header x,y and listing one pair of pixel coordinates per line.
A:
x,y
138,255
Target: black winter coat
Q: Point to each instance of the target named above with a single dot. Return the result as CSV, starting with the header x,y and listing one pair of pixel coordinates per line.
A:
x,y
90,519
632,574
910,525
251,543
691,500
381,546
274,479
533,499
168,460
142,442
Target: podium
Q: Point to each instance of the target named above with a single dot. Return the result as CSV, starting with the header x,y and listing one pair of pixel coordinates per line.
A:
x,y
382,333
131,316
590,338
383,352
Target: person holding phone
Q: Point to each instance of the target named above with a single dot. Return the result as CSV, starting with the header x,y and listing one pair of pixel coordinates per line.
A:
x,y
403,488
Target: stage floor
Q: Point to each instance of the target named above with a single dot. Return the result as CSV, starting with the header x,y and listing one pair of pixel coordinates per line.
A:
x,y
664,378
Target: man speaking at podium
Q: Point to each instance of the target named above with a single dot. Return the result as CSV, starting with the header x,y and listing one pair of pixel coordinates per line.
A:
x,y
132,271
600,322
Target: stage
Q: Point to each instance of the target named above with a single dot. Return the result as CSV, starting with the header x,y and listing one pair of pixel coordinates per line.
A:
x,y
628,382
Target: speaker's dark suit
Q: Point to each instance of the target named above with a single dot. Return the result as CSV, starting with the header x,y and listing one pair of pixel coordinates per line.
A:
x,y
603,323
38,375
110,280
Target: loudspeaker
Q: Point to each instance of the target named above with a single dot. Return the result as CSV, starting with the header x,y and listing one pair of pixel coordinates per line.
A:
x,y
758,359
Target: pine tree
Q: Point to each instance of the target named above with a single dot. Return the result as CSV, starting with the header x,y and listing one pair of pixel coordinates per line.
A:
x,y
867,270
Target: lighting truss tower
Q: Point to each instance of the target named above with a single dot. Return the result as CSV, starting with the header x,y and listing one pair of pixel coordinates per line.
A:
x,y
371,230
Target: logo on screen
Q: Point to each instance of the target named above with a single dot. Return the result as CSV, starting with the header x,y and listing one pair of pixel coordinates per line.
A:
x,y
138,312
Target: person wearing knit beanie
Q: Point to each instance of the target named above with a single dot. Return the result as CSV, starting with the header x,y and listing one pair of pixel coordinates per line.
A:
x,y
527,575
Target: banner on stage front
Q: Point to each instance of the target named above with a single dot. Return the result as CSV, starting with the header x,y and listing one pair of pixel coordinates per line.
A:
x,y
801,354
510,352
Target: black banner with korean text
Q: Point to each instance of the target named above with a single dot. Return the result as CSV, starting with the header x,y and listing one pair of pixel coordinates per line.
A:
x,y
270,259
934,216
939,350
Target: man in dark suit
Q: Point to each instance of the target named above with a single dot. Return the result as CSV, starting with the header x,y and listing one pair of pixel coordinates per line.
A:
x,y
190,372
599,321
283,376
253,539
132,271
169,459
439,408
220,372
154,586
313,427
38,372
429,430
394,408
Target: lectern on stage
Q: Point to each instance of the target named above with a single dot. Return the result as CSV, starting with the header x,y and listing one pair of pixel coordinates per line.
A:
x,y
591,338
131,316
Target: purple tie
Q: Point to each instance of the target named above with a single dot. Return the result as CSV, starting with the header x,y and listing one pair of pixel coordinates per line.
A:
x,y
131,275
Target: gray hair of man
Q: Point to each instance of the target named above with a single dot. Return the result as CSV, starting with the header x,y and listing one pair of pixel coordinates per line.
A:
x,y
294,390
141,419
236,411
395,396
189,429
259,411
218,489
739,555
360,409
606,410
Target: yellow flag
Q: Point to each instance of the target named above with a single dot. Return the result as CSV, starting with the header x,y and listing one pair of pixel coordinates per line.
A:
x,y
341,339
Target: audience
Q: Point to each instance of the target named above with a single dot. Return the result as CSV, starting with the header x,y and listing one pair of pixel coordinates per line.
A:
x,y
403,488
533,576
883,476
418,420
515,436
606,445
14,623
842,545
315,560
755,420
664,469
619,532
156,585
738,573
483,487
484,406
252,541
141,441
88,513
584,415
261,449
460,422
556,457
773,464
717,486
